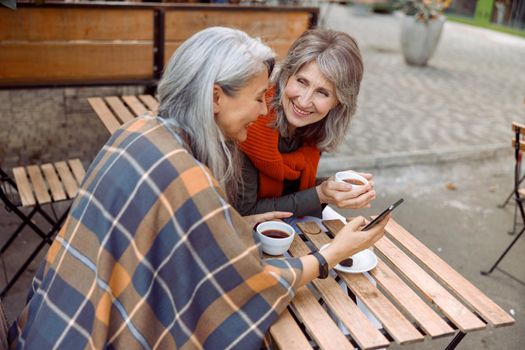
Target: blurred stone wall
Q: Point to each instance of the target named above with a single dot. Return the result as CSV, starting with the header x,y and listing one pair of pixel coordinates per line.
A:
x,y
46,125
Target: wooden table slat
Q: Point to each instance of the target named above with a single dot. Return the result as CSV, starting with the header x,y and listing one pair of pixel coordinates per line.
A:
x,y
119,108
471,295
57,191
67,179
360,328
458,313
319,325
24,187
135,105
287,334
39,185
78,170
150,101
392,319
429,321
107,117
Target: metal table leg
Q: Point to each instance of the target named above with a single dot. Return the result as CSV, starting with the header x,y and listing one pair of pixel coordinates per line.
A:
x,y
457,339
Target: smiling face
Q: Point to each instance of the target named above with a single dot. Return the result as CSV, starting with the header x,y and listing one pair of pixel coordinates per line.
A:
x,y
308,96
234,114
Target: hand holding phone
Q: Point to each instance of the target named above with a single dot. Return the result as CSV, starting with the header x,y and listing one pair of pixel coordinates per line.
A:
x,y
382,215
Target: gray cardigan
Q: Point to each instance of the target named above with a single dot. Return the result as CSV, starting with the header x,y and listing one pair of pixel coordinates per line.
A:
x,y
301,203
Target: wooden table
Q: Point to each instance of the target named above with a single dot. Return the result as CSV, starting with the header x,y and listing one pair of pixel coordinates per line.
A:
x,y
416,295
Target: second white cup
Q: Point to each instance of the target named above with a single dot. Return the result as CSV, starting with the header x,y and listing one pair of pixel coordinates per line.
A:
x,y
351,177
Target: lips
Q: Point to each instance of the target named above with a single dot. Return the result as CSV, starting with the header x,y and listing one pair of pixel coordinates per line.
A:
x,y
299,111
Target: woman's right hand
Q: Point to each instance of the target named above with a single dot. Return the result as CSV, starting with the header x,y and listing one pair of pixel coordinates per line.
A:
x,y
351,239
348,241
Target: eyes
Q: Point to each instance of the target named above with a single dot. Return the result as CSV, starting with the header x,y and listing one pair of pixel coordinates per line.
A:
x,y
305,83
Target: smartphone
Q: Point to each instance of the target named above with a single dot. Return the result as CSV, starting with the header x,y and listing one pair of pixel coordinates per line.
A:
x,y
382,215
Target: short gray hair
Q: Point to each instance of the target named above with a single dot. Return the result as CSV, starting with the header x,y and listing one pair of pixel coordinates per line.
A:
x,y
339,59
217,55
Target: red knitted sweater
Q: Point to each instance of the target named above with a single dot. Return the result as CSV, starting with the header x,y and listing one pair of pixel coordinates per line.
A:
x,y
261,147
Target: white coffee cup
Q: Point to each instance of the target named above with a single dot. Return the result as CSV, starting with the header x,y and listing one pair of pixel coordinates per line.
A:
x,y
269,232
351,177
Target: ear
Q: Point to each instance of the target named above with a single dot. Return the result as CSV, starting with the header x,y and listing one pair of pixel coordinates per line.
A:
x,y
217,99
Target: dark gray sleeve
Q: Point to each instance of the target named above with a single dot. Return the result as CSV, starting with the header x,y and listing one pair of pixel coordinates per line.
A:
x,y
300,203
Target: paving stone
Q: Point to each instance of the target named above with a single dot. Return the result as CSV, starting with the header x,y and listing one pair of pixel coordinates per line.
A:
x,y
466,97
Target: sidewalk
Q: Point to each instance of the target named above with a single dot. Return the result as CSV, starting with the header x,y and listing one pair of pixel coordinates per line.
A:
x,y
461,105
413,123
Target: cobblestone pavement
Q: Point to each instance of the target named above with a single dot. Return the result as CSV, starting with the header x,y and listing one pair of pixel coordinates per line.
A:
x,y
460,105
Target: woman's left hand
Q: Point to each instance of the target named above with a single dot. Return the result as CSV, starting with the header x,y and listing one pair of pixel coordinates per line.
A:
x,y
343,195
271,215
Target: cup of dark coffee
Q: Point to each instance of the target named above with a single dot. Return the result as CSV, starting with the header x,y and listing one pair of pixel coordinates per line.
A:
x,y
275,236
351,177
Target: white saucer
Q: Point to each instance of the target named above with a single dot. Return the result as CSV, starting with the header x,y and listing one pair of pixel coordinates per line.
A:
x,y
364,261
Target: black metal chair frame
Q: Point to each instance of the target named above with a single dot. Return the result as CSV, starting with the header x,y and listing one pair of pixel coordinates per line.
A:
x,y
506,201
11,205
517,197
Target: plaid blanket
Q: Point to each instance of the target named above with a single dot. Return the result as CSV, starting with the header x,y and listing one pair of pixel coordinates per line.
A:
x,y
153,257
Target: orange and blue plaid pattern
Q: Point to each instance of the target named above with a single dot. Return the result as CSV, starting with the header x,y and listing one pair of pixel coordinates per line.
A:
x,y
153,257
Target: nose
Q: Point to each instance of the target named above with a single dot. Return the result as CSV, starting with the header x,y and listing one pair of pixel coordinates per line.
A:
x,y
304,98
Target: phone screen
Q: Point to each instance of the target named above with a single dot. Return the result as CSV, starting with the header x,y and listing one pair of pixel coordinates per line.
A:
x,y
382,215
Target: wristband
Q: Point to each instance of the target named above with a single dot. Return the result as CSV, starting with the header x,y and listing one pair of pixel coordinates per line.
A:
x,y
323,265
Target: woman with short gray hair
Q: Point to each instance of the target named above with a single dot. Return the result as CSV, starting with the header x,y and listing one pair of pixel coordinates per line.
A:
x,y
311,105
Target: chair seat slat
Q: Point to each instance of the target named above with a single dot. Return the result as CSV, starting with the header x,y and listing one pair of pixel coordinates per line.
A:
x,y
78,170
105,115
150,101
24,187
39,185
136,106
67,178
119,108
55,186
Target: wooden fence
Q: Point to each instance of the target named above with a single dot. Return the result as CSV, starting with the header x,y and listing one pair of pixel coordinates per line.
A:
x,y
97,43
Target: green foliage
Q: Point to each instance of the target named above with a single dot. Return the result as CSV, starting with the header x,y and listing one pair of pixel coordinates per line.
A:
x,y
482,24
424,10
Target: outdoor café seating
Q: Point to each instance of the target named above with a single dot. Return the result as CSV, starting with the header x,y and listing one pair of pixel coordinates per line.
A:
x,y
412,293
36,189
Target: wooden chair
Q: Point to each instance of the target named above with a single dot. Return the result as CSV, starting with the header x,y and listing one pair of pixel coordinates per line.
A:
x,y
33,187
518,193
113,111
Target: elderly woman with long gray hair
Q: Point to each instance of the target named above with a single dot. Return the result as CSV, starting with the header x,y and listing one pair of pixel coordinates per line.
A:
x,y
312,101
152,255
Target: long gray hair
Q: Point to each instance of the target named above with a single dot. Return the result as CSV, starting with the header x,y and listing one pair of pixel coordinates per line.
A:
x,y
339,60
217,55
